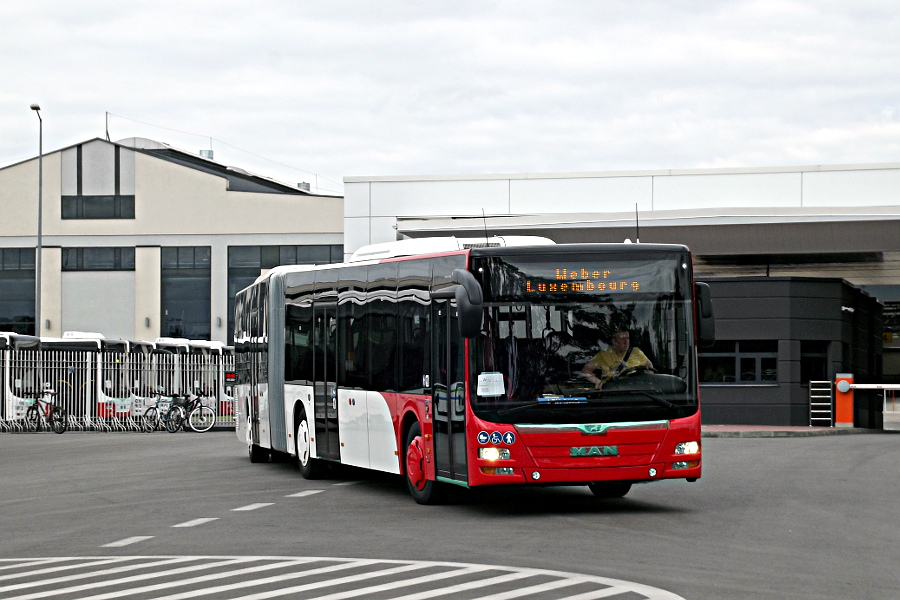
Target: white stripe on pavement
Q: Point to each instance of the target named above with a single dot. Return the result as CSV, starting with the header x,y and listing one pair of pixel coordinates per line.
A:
x,y
158,574
57,580
196,522
127,541
253,506
304,493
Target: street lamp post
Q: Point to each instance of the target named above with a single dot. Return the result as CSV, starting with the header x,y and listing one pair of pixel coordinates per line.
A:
x,y
37,272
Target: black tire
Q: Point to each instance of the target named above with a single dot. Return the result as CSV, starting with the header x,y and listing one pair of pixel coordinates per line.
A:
x,y
258,454
59,419
202,419
150,420
422,490
32,418
174,419
310,468
609,489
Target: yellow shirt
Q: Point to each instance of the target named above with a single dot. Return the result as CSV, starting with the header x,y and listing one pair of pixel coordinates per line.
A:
x,y
608,360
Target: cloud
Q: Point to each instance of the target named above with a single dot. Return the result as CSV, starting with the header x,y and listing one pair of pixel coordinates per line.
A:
x,y
362,88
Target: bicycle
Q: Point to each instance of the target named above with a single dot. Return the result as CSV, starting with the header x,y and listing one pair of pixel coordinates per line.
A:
x,y
46,411
190,413
156,416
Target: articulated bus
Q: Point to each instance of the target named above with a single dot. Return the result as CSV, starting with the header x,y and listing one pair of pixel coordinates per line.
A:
x,y
462,362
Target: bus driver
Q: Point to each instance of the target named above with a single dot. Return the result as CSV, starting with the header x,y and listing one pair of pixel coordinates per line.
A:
x,y
615,359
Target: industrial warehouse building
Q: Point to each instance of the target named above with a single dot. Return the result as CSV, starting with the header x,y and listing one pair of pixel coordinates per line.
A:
x,y
803,262
141,240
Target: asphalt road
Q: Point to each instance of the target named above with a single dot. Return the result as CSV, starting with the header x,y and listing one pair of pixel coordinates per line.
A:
x,y
798,518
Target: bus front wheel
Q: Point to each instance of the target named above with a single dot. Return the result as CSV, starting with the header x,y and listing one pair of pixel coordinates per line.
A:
x,y
609,489
421,489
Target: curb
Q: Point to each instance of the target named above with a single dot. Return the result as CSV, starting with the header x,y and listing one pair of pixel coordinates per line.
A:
x,y
769,433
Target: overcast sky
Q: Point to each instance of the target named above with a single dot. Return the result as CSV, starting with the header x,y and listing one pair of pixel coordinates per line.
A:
x,y
339,88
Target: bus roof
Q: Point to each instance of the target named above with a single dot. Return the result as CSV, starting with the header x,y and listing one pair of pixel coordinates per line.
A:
x,y
9,339
436,245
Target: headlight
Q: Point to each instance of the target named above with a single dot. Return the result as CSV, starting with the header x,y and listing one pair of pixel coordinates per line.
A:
x,y
493,453
687,448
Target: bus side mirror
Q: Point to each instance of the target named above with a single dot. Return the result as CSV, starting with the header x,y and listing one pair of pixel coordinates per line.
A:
x,y
706,325
469,301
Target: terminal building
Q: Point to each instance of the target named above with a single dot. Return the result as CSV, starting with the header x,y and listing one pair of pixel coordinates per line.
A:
x,y
141,240
803,262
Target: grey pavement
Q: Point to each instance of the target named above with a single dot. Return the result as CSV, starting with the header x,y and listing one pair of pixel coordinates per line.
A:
x,y
891,425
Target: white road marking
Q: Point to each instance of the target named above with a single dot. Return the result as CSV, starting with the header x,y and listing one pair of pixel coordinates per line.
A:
x,y
304,493
196,522
254,506
57,568
155,575
127,541
347,483
188,577
141,564
319,584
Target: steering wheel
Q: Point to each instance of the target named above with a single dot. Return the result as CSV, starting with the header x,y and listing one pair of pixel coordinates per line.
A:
x,y
633,370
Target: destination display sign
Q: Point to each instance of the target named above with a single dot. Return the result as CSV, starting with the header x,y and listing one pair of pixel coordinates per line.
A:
x,y
512,278
580,279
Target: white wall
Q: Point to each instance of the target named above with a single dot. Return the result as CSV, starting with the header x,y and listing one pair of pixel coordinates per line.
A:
x,y
372,204
99,301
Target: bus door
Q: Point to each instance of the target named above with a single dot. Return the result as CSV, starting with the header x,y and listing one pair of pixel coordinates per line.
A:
x,y
325,368
449,393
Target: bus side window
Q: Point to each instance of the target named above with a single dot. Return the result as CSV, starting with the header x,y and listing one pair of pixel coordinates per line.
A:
x,y
298,364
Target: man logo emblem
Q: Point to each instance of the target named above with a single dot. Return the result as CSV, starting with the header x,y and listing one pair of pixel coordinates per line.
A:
x,y
594,451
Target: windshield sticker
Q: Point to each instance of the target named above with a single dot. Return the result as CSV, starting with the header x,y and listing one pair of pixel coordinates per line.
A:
x,y
490,384
554,399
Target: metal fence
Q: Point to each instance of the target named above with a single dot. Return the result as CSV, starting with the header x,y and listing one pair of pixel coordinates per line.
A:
x,y
110,391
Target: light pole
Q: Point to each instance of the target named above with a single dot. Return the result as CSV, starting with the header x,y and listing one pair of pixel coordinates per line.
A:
x,y
37,272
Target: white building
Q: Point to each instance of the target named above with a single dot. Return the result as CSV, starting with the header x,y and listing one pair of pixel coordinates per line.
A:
x,y
141,240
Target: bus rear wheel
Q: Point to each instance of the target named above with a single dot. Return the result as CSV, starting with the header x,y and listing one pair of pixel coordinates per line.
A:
x,y
310,468
257,453
420,488
609,489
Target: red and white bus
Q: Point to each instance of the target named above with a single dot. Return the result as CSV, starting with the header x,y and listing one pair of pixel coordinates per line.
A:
x,y
459,362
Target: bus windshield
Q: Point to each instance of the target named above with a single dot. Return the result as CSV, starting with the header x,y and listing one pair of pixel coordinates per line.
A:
x,y
584,338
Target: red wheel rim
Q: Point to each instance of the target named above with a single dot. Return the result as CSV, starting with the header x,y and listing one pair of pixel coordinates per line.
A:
x,y
415,464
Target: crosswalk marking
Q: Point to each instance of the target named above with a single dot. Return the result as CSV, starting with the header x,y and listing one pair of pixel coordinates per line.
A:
x,y
319,584
424,579
55,569
159,574
111,571
196,522
127,541
304,493
253,506
462,587
315,578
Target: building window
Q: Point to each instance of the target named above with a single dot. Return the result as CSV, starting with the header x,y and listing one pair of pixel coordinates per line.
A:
x,y
185,274
813,361
245,263
740,362
116,206
17,290
98,259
